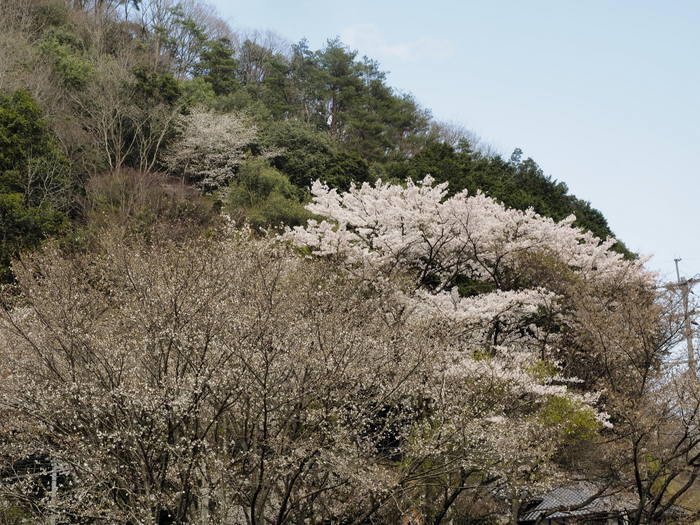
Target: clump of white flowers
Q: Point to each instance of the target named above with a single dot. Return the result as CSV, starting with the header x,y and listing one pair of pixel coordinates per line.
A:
x,y
210,147
391,227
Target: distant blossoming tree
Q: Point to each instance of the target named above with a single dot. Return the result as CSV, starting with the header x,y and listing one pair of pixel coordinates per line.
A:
x,y
210,147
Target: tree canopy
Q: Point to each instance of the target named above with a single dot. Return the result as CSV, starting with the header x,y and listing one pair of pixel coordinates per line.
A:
x,y
248,281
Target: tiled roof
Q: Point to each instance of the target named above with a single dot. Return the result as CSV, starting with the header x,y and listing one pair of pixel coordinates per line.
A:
x,y
572,496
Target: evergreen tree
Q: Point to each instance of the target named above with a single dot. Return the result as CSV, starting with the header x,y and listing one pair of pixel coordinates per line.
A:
x,y
218,67
32,179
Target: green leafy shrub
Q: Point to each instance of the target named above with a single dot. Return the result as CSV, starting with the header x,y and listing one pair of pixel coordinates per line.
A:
x,y
152,86
24,137
197,92
23,227
575,422
264,197
65,51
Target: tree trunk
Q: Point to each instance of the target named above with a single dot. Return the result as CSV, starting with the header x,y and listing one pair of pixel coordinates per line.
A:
x,y
515,504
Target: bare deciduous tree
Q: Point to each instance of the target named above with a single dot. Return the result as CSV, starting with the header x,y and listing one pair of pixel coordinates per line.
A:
x,y
119,127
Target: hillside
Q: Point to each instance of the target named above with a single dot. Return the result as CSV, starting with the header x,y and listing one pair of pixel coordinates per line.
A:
x,y
246,281
88,90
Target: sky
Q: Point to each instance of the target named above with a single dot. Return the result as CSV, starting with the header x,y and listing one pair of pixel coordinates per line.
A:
x,y
603,95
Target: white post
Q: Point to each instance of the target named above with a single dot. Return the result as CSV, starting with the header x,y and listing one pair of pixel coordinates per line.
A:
x,y
204,496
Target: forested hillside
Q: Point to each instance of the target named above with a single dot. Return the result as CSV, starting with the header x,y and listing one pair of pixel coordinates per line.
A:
x,y
248,120
246,282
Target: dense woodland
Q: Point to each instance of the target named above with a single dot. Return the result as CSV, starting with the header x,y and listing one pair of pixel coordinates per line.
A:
x,y
250,282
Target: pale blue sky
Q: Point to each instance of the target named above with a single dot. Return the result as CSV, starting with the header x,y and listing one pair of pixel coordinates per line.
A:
x,y
602,94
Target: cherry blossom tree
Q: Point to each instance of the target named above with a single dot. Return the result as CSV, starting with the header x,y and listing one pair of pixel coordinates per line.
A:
x,y
411,355
653,401
210,147
504,278
393,227
230,380
511,284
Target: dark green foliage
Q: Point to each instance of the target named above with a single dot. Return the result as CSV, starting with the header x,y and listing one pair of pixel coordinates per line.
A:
x,y
151,99
331,89
308,155
264,197
276,91
23,227
65,51
197,92
341,84
218,67
383,125
26,145
153,87
32,177
22,133
305,76
354,104
305,152
266,76
517,183
344,169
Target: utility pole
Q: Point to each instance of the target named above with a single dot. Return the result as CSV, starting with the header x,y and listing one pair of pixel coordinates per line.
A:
x,y
54,490
685,285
